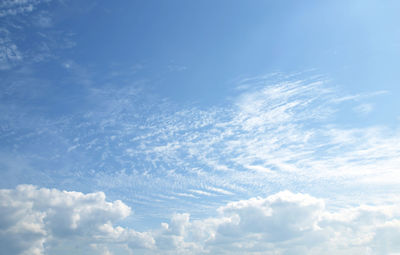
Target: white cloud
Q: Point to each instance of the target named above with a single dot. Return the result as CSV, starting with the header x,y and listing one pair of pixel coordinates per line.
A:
x,y
48,221
152,154
219,190
284,223
18,16
14,7
278,134
364,108
9,52
201,192
34,220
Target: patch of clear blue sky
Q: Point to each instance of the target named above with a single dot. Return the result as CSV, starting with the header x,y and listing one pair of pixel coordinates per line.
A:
x,y
355,43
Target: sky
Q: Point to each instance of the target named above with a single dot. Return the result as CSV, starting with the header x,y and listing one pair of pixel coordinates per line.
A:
x,y
199,127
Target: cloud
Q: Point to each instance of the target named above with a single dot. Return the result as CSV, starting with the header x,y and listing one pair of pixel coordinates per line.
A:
x,y
15,7
47,221
30,21
281,216
363,108
34,221
43,20
284,223
273,134
177,68
9,52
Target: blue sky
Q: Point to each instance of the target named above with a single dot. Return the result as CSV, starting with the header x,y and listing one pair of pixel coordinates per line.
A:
x,y
199,127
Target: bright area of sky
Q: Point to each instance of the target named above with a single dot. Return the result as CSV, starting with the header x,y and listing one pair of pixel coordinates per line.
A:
x,y
199,127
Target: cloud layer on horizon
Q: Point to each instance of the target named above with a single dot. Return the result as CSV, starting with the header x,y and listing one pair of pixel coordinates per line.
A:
x,y
47,221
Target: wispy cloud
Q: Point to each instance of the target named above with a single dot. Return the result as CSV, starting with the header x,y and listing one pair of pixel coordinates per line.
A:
x,y
364,108
277,133
29,21
14,7
9,52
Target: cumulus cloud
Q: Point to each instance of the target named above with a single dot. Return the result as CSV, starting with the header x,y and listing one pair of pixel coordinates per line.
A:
x,y
48,221
288,223
36,220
